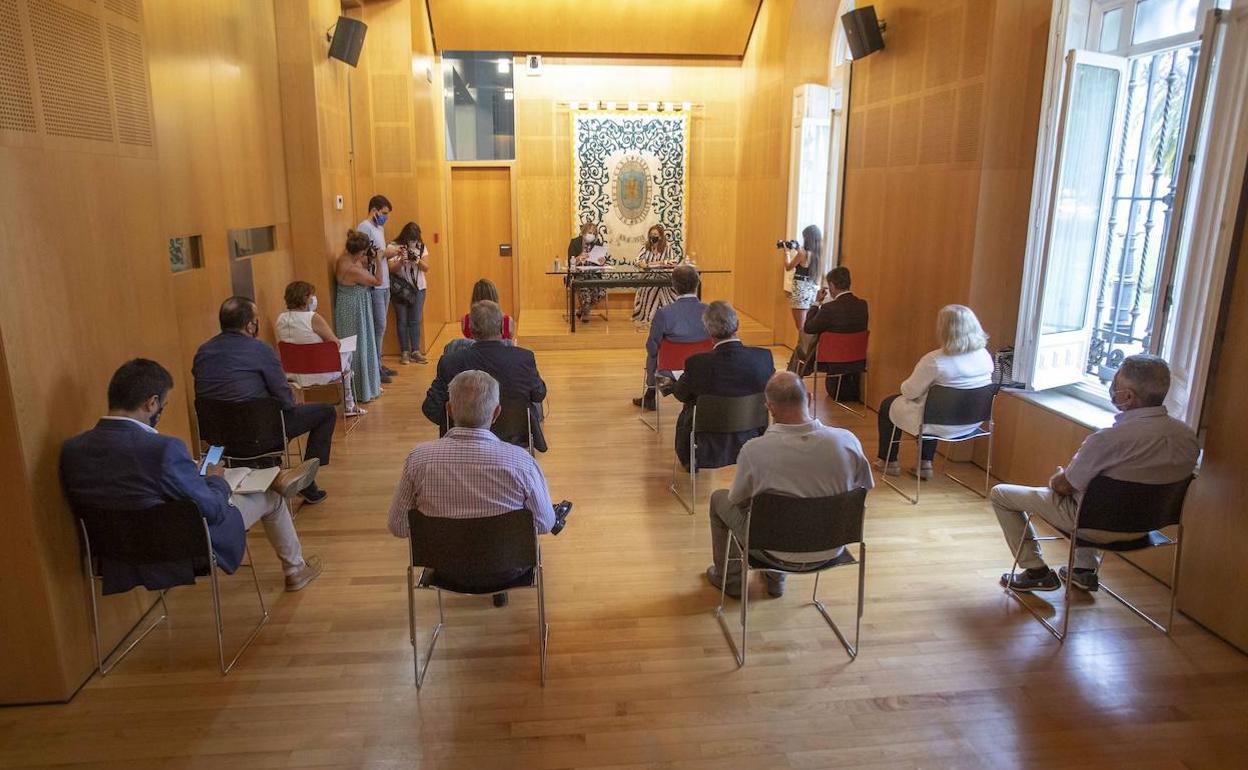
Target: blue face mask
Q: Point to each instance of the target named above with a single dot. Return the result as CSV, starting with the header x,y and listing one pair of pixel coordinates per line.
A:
x,y
380,219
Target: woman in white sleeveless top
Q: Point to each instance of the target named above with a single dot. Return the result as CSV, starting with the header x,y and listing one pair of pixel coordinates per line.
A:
x,y
300,325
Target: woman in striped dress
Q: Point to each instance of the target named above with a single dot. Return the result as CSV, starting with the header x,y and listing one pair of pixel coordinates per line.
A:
x,y
657,253
353,313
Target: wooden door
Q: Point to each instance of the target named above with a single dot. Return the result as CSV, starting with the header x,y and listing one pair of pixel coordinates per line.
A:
x,y
480,227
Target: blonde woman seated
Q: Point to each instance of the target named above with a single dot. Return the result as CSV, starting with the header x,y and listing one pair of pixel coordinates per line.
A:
x,y
301,325
961,362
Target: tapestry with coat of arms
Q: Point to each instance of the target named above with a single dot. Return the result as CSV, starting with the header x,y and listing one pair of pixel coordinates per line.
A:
x,y
630,172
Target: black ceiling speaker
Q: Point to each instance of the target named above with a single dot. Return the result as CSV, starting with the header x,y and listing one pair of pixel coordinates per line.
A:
x,y
863,32
348,39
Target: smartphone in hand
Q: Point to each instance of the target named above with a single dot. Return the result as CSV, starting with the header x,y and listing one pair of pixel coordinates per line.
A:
x,y
212,458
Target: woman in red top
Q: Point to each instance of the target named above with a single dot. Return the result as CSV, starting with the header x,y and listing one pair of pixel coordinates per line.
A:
x,y
485,289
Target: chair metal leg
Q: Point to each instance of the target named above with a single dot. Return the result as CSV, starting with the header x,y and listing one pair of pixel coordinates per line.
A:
x,y
987,471
852,649
738,653
100,659
836,400
1174,590
894,439
693,477
1017,596
641,415
216,606
543,630
433,639
1174,577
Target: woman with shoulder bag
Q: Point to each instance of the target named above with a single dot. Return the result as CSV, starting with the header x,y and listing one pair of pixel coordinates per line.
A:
x,y
409,284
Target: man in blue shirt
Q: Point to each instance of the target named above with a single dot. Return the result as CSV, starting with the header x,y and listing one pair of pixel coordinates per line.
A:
x,y
235,366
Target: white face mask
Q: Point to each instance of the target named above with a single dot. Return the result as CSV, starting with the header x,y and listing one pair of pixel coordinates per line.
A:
x,y
312,304
590,237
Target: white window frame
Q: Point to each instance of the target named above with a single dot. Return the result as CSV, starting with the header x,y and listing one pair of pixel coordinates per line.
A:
x,y
1213,197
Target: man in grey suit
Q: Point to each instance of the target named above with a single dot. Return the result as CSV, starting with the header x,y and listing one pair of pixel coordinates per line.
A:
x,y
680,321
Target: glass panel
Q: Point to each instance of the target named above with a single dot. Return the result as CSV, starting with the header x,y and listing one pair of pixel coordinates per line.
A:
x,y
1157,19
1111,30
1078,196
480,105
252,240
812,197
1145,178
186,253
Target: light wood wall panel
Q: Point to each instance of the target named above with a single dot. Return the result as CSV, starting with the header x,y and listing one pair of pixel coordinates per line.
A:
x,y
644,27
544,160
790,46
942,132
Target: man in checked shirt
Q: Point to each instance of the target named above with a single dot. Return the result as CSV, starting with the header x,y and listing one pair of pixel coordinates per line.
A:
x,y
470,473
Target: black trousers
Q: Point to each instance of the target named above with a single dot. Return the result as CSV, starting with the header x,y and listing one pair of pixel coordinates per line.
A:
x,y
316,420
851,387
888,451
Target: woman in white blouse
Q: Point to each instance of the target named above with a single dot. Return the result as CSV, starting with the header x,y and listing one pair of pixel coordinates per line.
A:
x,y
301,325
961,362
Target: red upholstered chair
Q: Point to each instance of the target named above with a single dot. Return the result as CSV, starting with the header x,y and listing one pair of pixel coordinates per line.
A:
x,y
671,358
844,349
317,358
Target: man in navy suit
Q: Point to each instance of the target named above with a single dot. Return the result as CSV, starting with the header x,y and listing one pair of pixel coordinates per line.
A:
x,y
235,366
844,313
514,367
730,369
680,321
124,464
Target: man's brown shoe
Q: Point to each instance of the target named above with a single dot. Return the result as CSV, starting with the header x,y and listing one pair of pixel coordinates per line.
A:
x,y
292,481
310,571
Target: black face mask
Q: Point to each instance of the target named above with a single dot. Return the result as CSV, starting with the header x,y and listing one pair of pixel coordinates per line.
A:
x,y
155,418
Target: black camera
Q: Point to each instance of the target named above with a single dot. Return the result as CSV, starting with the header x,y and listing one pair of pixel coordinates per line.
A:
x,y
561,516
794,245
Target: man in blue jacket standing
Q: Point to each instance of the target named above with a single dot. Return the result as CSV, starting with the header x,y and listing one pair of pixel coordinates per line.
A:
x,y
124,464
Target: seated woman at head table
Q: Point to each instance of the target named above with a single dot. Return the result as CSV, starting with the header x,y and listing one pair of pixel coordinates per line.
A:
x,y
655,254
587,252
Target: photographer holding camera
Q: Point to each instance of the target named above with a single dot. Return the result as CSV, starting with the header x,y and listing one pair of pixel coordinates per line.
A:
x,y
471,473
803,260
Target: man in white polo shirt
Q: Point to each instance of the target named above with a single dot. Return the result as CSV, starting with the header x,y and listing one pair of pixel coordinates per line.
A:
x,y
797,456
374,227
1143,445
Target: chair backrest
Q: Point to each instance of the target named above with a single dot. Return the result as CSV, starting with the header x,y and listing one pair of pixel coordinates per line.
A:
x,y
1129,506
799,524
172,531
841,348
958,406
485,545
312,358
730,414
672,355
512,422
244,428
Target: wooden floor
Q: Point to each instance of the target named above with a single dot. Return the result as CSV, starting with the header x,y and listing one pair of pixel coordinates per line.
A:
x,y
609,330
951,672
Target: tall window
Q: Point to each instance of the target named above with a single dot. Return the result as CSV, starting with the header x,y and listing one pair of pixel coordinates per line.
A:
x,y
1105,262
479,105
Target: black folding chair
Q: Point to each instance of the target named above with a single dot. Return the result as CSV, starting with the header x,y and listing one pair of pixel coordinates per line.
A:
x,y
514,422
170,532
445,549
718,414
952,406
1127,507
250,431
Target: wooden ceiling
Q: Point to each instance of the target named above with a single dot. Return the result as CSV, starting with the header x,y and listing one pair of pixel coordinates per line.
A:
x,y
703,28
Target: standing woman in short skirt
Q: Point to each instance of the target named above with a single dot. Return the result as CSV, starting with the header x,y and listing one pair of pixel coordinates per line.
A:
x,y
805,266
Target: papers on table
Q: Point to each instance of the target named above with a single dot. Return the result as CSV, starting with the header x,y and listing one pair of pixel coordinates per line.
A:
x,y
347,344
596,256
245,481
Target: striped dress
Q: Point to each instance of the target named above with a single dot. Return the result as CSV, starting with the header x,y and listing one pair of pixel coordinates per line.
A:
x,y
649,299
353,314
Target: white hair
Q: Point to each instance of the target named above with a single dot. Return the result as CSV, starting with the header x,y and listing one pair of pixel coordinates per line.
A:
x,y
1148,376
474,397
959,331
720,320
